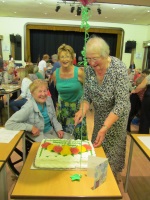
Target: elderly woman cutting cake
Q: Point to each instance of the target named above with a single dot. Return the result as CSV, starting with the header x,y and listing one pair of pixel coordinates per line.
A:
x,y
106,86
37,116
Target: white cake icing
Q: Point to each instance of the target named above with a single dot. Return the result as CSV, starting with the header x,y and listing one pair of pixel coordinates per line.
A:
x,y
61,154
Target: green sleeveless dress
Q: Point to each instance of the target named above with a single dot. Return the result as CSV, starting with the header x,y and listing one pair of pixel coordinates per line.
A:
x,y
70,92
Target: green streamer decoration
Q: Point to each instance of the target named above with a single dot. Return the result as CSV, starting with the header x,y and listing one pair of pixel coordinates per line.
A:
x,y
85,13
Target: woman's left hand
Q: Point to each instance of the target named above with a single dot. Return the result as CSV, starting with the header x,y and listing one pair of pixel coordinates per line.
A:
x,y
100,137
60,134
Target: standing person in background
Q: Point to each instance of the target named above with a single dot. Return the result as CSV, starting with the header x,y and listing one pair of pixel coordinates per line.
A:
x,y
10,58
55,62
132,65
1,64
144,126
69,83
43,64
75,59
106,86
52,87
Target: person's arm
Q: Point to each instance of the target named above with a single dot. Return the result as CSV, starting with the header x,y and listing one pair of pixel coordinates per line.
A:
x,y
81,75
84,107
45,69
18,121
140,86
110,120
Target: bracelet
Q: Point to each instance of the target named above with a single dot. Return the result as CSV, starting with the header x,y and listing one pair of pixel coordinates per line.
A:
x,y
106,127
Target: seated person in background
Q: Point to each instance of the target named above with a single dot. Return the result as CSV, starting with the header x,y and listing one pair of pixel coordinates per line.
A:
x,y
8,76
136,99
37,116
25,80
37,73
31,74
5,64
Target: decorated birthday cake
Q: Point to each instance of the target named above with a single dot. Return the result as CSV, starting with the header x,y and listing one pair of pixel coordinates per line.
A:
x,y
63,154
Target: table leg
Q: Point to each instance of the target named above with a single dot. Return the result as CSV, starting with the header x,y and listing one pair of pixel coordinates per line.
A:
x,y
23,147
129,166
3,184
7,97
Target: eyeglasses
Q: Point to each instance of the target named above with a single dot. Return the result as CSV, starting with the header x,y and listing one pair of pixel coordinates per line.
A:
x,y
92,59
65,57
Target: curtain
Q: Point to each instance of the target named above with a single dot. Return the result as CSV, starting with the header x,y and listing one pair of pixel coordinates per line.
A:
x,y
47,42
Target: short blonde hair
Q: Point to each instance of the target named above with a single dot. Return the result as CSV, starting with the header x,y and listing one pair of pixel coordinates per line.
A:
x,y
36,84
66,48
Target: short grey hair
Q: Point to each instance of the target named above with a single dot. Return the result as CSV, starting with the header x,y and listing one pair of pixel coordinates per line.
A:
x,y
99,44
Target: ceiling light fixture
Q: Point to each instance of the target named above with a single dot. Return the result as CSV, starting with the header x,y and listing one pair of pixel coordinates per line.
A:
x,y
72,9
57,8
99,11
79,10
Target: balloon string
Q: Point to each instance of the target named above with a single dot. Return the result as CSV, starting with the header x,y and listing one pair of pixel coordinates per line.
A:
x,y
85,12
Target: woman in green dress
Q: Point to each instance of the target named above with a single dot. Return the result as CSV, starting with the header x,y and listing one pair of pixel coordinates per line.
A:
x,y
69,83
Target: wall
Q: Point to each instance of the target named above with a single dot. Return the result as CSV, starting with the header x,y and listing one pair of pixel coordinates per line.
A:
x,y
15,26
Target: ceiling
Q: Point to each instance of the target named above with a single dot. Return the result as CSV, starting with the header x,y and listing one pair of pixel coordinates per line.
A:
x,y
112,11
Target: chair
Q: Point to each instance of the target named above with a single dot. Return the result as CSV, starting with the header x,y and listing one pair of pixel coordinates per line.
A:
x,y
17,153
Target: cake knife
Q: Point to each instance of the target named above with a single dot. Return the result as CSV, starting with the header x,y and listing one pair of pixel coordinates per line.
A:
x,y
71,135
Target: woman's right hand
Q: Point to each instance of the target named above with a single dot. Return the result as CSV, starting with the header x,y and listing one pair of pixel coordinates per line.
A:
x,y
78,117
35,131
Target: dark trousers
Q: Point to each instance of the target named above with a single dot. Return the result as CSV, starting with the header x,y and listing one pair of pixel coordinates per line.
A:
x,y
54,93
135,108
145,112
16,105
145,116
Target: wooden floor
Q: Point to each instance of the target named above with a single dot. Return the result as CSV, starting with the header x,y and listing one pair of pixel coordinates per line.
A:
x,y
139,181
